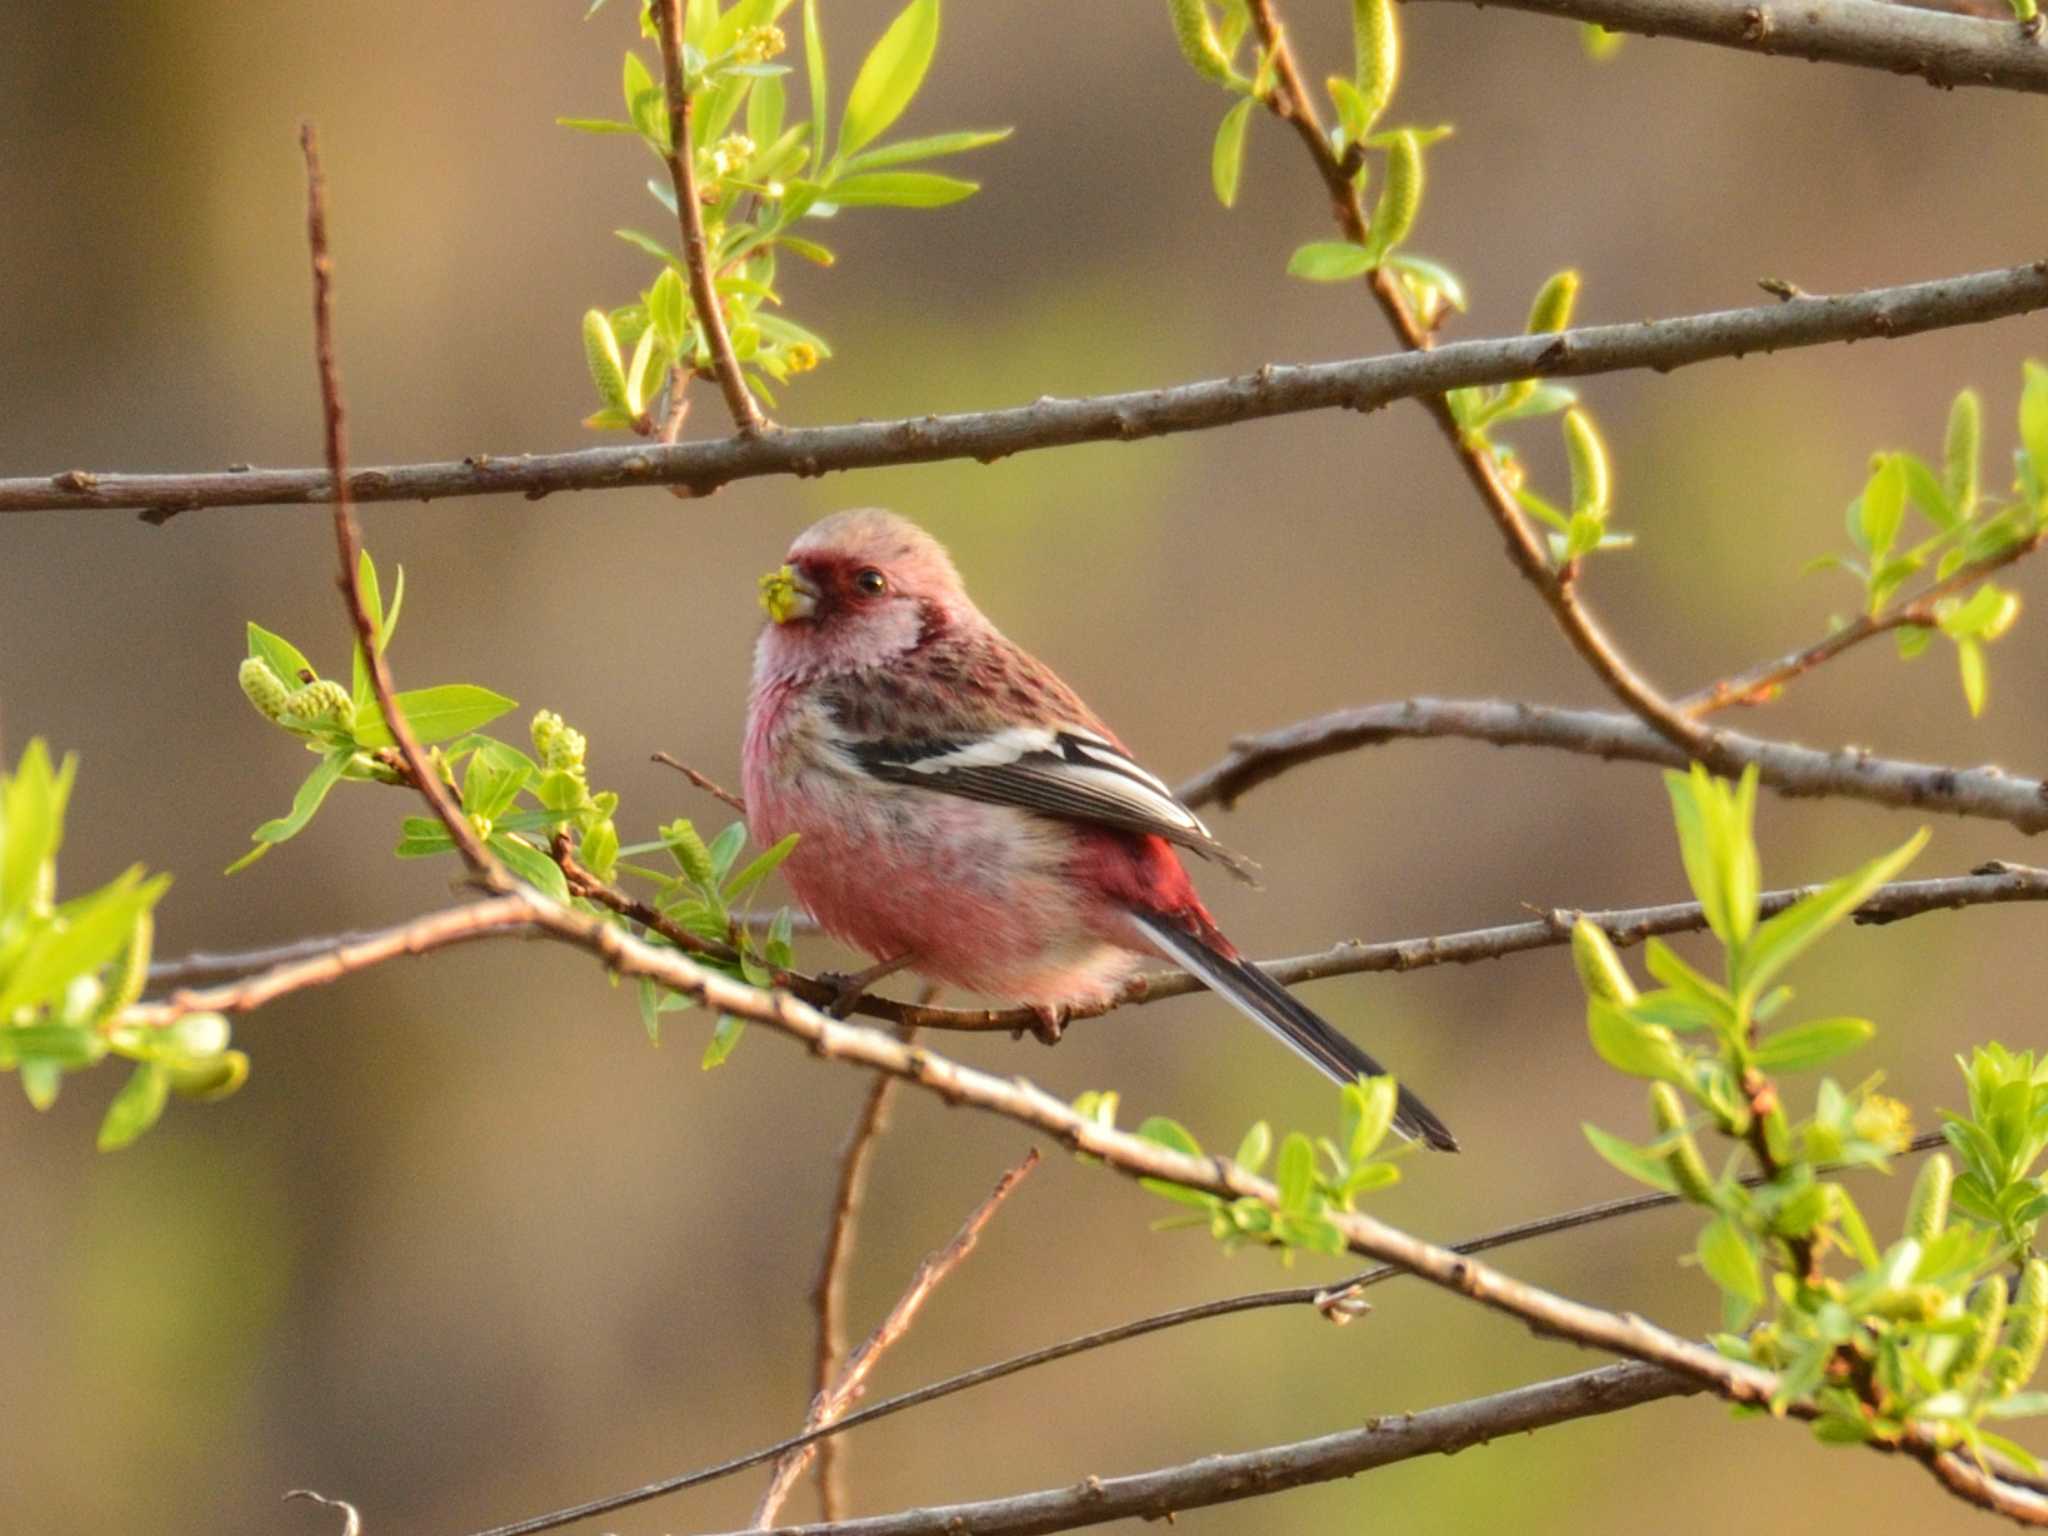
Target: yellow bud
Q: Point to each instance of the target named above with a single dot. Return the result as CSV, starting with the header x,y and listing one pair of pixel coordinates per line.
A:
x,y
1393,216
801,356
1377,42
1927,1210
1552,310
759,44
214,1078
1600,969
2026,1330
1196,34
601,352
321,699
263,687
1682,1158
1987,1317
1592,481
1884,1120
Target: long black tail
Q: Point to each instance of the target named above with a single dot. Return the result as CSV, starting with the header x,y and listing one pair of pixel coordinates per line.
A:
x,y
1263,1000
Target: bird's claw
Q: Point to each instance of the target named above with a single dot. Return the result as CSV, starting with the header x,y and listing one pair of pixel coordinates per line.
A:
x,y
846,991
1049,1021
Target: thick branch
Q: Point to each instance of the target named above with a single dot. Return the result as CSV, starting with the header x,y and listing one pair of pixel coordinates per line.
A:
x,y
682,157
1943,50
1275,390
1988,793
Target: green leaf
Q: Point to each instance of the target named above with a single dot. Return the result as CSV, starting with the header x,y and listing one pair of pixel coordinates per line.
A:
x,y
762,866
311,793
1256,1147
1970,665
1644,1167
1171,1134
530,865
31,823
40,1080
285,659
136,1107
1781,940
1730,1260
595,124
2034,418
725,848
650,245
89,932
814,65
1641,1050
889,76
900,189
932,147
1434,274
436,714
1882,507
1809,1044
1226,156
1295,1174
1368,1115
724,1036
644,103
1329,261
668,309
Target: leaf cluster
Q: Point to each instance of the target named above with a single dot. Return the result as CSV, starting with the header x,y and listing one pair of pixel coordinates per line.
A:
x,y
1918,1330
1959,531
70,971
759,174
1315,1177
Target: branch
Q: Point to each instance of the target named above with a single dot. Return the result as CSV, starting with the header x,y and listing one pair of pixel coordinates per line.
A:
x,y
1945,51
1275,390
1762,683
1273,1469
682,173
343,957
710,786
482,864
828,1291
842,1394
1989,885
1849,772
1556,586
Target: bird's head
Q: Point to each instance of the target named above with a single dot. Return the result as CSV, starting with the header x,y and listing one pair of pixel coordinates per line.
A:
x,y
858,590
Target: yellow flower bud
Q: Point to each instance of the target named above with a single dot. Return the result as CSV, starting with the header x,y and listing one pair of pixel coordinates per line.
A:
x,y
1378,45
1927,1210
1600,969
1196,34
263,687
759,44
321,699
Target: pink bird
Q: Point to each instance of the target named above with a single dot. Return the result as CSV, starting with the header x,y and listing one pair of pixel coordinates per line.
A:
x,y
961,813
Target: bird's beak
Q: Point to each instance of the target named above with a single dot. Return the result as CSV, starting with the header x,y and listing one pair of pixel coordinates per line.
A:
x,y
788,595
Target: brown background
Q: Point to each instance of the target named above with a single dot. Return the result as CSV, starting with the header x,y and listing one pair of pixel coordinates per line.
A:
x,y
467,1247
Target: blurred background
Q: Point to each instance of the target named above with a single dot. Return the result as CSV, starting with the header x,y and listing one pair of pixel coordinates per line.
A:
x,y
467,1247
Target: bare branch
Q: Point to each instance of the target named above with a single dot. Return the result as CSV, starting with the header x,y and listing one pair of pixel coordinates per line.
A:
x,y
828,1290
1990,884
482,863
846,1391
1273,1469
710,786
1943,50
1848,772
342,957
1275,390
681,157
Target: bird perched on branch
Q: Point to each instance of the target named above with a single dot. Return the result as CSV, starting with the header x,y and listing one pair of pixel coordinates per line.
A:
x,y
961,813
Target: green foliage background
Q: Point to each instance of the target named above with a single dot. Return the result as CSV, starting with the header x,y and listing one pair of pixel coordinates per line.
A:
x,y
466,1246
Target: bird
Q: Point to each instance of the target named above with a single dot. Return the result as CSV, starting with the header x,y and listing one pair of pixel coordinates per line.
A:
x,y
962,814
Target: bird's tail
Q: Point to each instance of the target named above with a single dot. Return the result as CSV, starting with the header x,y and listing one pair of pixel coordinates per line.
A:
x,y
1263,1000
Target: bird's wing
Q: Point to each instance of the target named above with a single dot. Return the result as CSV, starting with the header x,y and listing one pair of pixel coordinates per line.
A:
x,y
1068,772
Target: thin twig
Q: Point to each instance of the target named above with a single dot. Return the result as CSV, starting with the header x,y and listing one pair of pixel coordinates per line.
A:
x,y
1943,50
828,1290
1290,100
483,865
351,1519
682,173
1763,682
437,930
1277,389
1848,772
840,1395
1546,1312
709,786
1318,1296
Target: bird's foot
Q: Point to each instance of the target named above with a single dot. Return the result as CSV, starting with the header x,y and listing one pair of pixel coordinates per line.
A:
x,y
1049,1021
847,989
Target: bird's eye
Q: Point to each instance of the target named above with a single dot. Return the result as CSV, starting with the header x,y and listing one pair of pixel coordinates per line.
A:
x,y
871,581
